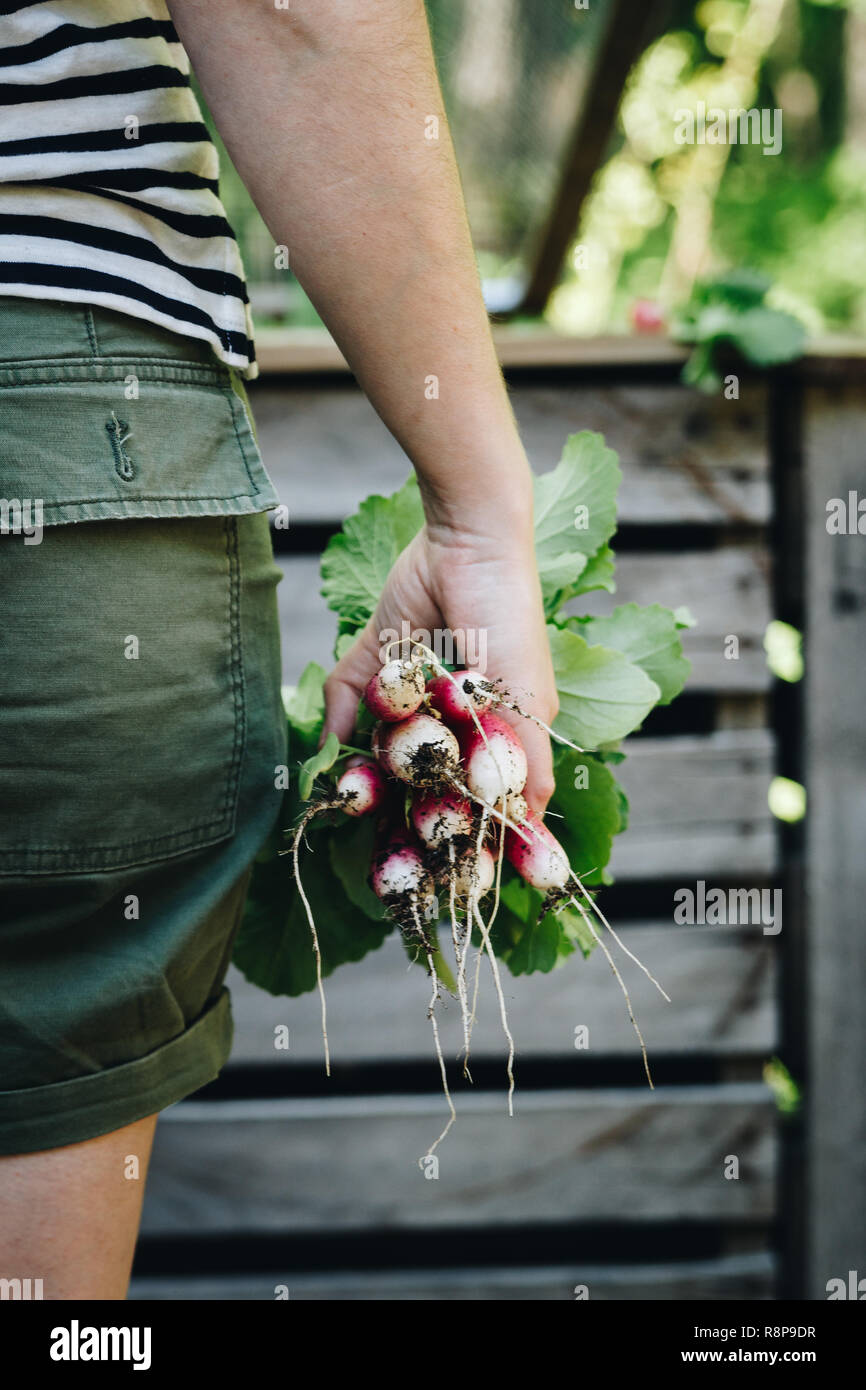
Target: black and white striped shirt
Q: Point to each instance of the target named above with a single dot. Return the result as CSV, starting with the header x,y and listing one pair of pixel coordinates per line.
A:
x,y
108,178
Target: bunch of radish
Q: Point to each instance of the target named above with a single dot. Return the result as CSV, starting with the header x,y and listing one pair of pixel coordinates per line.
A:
x,y
444,780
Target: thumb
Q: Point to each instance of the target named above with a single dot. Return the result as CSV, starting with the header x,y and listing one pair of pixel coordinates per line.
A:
x,y
347,683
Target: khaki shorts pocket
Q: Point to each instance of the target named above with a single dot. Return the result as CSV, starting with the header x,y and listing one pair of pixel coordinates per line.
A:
x,y
122,716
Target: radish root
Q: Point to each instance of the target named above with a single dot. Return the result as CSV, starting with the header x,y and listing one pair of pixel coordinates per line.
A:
x,y
296,842
494,966
597,910
431,1014
610,960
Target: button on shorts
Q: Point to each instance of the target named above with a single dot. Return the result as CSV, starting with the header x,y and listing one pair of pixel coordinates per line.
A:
x,y
140,715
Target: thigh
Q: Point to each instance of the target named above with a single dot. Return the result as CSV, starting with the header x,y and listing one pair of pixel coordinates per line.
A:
x,y
69,1217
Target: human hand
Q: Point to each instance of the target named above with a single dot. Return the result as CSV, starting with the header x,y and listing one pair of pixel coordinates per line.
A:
x,y
484,589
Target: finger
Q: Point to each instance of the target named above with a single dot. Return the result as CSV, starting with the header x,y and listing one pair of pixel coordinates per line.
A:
x,y
539,757
347,683
341,708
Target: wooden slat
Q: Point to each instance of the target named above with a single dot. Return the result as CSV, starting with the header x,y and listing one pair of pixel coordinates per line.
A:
x,y
352,1164
685,457
726,590
698,808
732,1277
285,351
835,758
721,983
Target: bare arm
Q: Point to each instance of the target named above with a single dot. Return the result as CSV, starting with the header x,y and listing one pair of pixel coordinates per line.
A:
x,y
324,107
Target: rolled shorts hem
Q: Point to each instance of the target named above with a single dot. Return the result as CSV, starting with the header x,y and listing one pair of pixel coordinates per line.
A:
x,y
70,1112
156,508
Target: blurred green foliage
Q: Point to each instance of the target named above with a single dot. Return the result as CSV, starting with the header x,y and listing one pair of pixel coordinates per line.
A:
x,y
661,216
797,216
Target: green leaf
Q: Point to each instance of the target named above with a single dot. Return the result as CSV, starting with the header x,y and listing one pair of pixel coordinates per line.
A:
x,y
350,846
623,808
538,947
558,573
740,285
535,943
597,575
602,696
320,762
715,321
766,336
585,812
344,641
699,371
587,476
649,637
356,561
731,309
575,513
305,702
274,948
573,924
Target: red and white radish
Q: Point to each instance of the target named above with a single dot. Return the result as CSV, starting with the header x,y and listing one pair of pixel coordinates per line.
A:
x,y
396,690
457,696
361,788
400,876
494,759
441,816
466,768
401,880
419,750
539,857
474,874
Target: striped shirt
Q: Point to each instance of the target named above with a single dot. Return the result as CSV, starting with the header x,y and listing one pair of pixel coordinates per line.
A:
x,y
109,189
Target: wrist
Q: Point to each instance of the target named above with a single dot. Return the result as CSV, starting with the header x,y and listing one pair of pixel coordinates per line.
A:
x,y
490,501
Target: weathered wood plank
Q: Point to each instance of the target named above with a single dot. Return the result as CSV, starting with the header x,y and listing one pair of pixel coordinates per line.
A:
x,y
732,1277
747,853
293,350
726,590
282,351
698,807
721,982
717,776
685,458
835,758
352,1164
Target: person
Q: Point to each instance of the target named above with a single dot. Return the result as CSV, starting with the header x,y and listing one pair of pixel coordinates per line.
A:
x,y
140,717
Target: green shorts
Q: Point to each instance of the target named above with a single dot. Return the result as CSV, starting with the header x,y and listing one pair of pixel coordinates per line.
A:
x,y
140,714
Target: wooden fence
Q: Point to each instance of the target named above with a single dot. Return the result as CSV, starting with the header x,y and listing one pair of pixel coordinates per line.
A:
x,y
277,1177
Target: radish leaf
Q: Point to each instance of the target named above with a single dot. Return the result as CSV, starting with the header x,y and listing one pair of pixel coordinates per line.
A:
x,y
587,798
273,948
602,696
356,561
648,636
575,514
320,762
305,702
351,854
